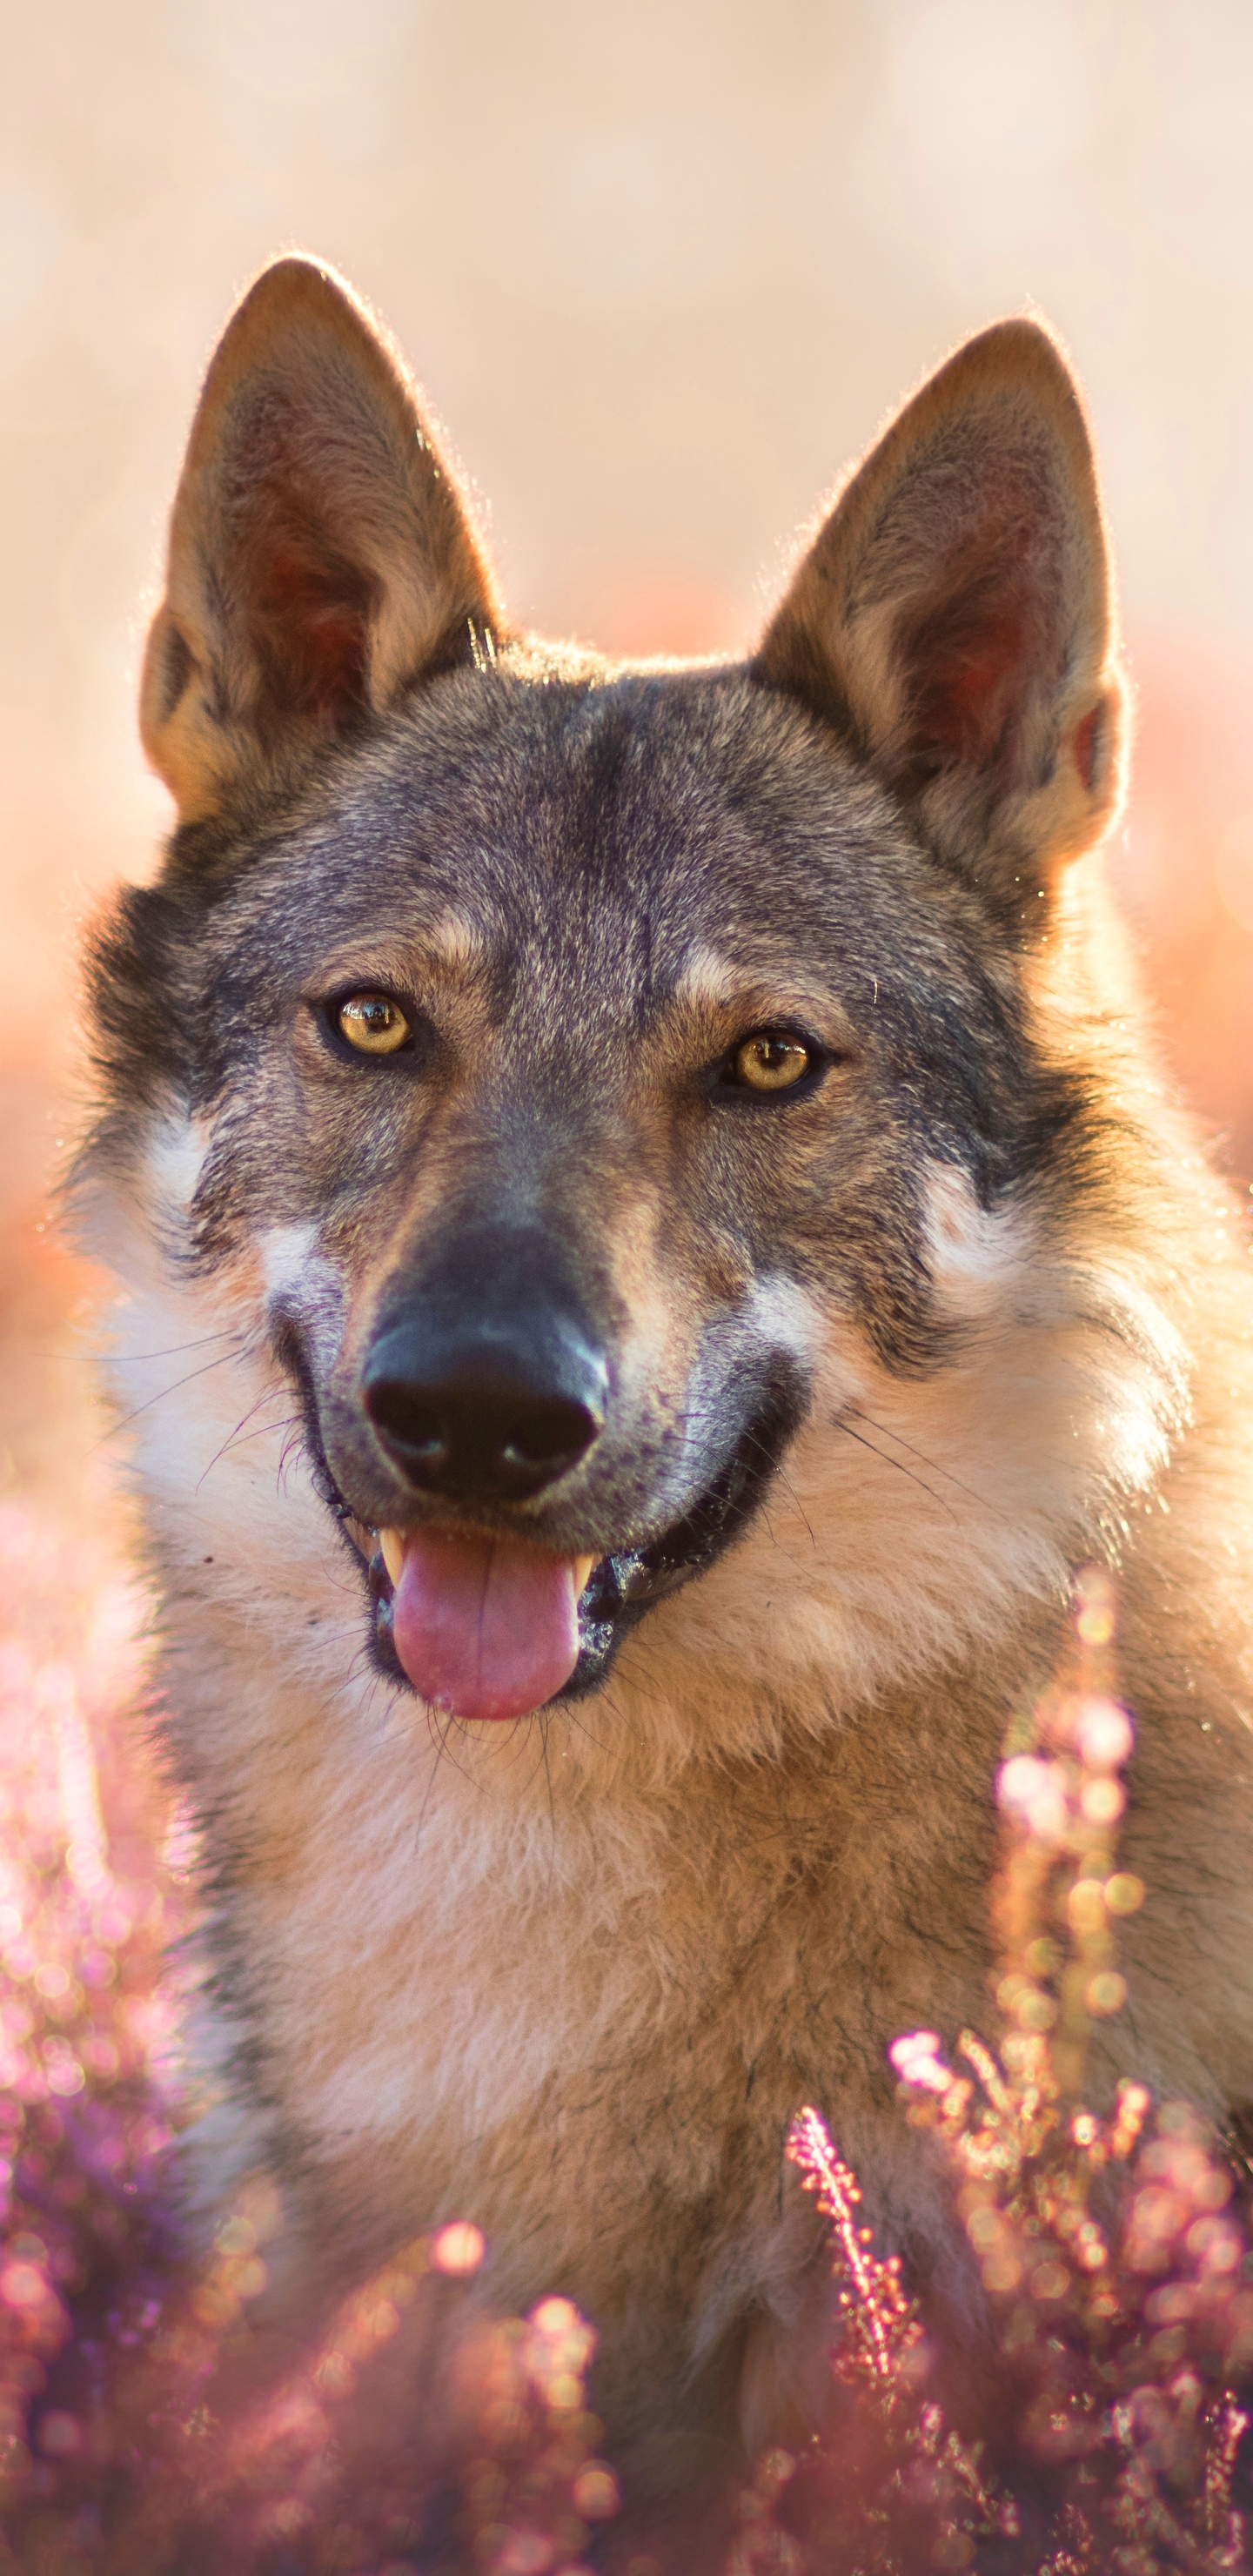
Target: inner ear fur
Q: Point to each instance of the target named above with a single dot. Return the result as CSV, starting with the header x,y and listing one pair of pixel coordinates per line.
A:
x,y
322,558
954,617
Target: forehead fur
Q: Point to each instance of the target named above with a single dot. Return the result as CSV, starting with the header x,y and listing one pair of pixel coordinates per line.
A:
x,y
597,837
666,816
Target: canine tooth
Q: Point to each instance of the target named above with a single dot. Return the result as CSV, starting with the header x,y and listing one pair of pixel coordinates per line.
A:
x,y
582,1568
392,1548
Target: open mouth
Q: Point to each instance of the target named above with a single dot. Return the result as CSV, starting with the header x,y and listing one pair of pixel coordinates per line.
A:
x,y
487,1624
616,1591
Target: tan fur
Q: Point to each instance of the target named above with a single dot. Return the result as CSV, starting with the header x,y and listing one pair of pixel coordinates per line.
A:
x,y
550,1908
573,1981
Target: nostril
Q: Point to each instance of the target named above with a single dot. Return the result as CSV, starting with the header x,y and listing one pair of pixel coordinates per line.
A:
x,y
411,1424
548,1435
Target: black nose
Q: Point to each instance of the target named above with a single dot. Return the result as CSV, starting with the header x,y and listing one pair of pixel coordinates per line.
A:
x,y
488,1412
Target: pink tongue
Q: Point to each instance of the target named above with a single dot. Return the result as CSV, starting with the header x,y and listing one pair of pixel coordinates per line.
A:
x,y
487,1627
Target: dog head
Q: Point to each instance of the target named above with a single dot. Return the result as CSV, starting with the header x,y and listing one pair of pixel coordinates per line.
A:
x,y
599,1077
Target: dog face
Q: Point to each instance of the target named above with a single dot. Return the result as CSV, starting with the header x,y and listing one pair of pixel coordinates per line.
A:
x,y
576,1058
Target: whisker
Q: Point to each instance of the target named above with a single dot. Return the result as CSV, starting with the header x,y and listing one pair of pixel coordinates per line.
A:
x,y
139,1359
162,1392
266,1396
548,1777
440,1751
572,1718
359,1661
933,1463
751,1440
293,1448
450,1721
614,1711
838,1424
785,1479
371,1697
338,1636
289,1422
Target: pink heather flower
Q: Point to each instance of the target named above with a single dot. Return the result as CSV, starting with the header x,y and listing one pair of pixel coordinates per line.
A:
x,y
916,2057
458,2249
1035,1791
1104,1734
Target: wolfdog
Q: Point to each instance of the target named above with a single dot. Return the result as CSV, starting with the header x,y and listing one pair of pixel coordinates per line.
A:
x,y
653,1242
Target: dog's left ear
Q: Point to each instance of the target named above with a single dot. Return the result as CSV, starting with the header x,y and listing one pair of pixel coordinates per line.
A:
x,y
322,557
954,617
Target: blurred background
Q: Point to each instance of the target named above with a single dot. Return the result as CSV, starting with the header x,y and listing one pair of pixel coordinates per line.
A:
x,y
662,268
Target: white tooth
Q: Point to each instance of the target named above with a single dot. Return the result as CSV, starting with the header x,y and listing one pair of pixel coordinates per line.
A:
x,y
582,1568
392,1547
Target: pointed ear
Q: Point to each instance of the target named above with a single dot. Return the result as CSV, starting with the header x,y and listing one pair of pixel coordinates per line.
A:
x,y
954,617
322,558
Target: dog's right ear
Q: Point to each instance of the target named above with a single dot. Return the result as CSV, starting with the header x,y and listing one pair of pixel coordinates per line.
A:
x,y
322,558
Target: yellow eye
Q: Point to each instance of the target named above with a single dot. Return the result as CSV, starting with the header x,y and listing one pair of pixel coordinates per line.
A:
x,y
373,1023
771,1061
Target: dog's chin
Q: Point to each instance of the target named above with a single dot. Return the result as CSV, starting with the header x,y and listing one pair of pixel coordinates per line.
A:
x,y
619,1587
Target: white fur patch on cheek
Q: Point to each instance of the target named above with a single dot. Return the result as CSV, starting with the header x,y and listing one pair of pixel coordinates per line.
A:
x,y
298,1278
286,1256
215,1432
781,1313
176,1160
209,1420
132,1222
973,1252
301,1283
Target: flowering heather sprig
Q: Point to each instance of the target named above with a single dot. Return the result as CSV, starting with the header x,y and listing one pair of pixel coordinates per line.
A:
x,y
1058,1896
882,2327
534,2486
329,2467
894,2487
91,1887
1116,2271
128,2443
1120,2282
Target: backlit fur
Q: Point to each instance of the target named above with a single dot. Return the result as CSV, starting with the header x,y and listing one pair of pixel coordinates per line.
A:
x,y
572,1978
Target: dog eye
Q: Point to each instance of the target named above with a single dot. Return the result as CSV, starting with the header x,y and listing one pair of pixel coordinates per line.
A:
x,y
771,1060
372,1023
